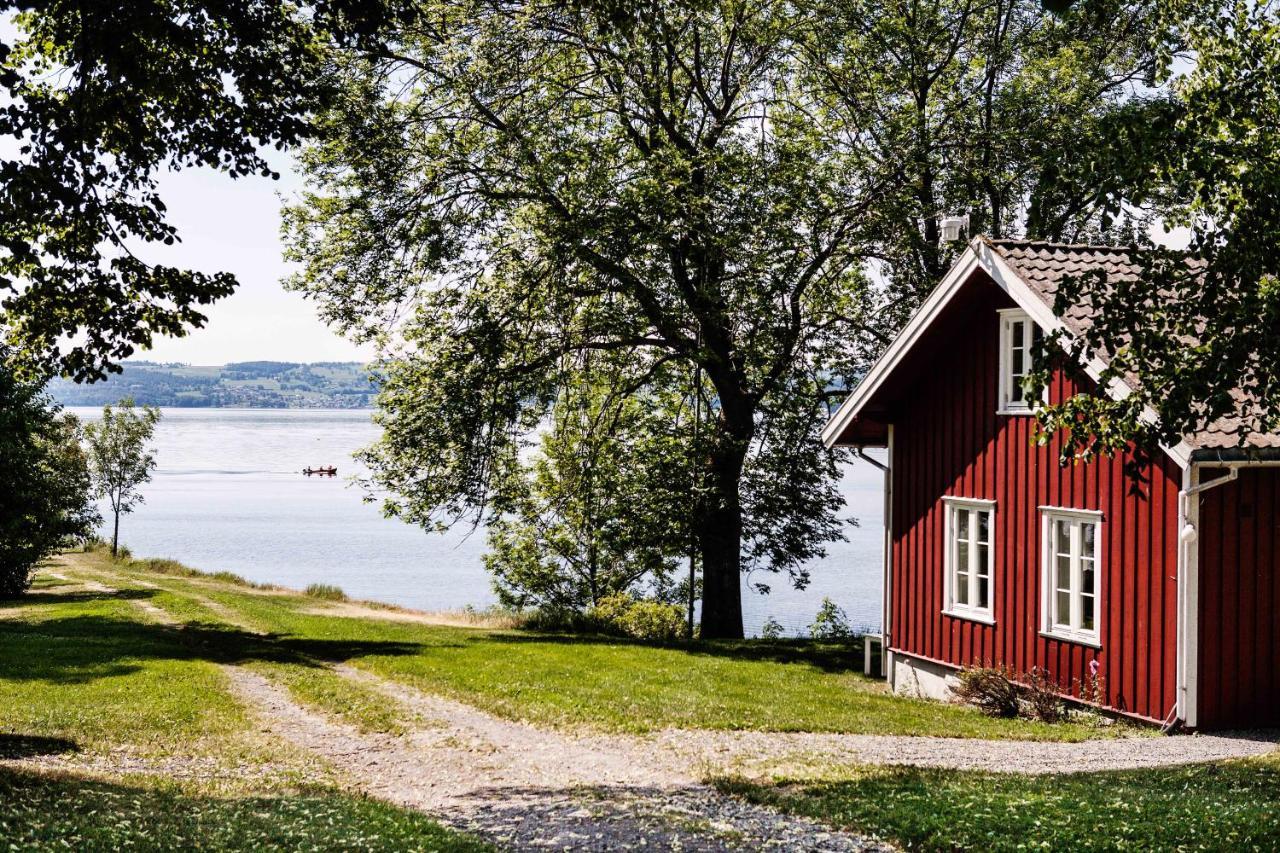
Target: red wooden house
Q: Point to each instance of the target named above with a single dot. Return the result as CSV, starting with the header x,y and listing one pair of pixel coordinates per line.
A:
x,y
1164,603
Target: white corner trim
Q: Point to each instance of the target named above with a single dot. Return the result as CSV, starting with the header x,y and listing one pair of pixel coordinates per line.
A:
x,y
1188,598
886,619
979,255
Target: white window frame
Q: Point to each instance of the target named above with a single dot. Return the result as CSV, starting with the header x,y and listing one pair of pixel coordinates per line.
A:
x,y
1009,317
1051,625
950,606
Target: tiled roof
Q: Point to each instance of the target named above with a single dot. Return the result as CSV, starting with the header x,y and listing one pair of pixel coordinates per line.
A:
x,y
1043,266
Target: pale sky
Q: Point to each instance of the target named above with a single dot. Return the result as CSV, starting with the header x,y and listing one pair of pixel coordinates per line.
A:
x,y
234,225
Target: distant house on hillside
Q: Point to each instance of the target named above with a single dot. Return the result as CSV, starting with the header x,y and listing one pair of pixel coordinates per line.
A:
x,y
997,554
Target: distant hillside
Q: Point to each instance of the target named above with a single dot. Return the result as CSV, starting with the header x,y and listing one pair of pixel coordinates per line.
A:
x,y
246,384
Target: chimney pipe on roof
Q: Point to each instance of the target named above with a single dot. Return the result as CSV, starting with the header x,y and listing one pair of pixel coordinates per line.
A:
x,y
953,228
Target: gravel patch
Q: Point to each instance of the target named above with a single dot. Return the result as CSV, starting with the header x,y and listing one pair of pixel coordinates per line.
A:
x,y
759,754
527,788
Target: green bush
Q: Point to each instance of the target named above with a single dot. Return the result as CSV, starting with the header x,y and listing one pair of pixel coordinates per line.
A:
x,y
830,623
326,591
45,489
771,629
643,619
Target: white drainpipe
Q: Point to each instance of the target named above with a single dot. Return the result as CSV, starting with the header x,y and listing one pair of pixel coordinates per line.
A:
x,y
886,603
1189,588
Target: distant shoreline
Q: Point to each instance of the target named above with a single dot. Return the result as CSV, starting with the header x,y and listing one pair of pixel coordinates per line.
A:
x,y
266,385
227,408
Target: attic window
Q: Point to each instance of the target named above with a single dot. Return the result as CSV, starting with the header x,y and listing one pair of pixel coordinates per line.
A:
x,y
1018,335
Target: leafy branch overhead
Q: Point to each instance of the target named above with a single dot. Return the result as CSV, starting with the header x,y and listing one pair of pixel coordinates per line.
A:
x,y
100,99
1194,336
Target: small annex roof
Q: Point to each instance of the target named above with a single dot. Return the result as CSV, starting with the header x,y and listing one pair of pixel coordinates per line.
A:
x,y
1030,272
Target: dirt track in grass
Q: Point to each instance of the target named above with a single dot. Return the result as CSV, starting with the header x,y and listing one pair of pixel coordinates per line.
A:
x,y
527,788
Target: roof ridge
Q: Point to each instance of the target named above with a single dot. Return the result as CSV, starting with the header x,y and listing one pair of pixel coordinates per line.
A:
x,y
1012,241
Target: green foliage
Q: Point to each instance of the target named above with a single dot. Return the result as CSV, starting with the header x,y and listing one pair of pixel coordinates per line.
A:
x,y
100,101
830,623
326,592
120,459
643,619
599,509
46,498
1197,333
1001,111
1233,805
568,198
771,629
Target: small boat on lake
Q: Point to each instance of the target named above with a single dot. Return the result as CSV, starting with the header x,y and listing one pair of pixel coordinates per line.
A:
x,y
331,471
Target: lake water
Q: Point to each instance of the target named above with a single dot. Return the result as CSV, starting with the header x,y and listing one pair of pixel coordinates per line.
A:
x,y
227,495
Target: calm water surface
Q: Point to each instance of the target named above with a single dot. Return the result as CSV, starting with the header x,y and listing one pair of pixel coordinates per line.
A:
x,y
227,495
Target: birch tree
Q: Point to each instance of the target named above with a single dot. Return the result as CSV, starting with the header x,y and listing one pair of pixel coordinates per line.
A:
x,y
120,458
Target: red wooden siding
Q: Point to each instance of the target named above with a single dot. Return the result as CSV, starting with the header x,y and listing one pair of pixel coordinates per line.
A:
x,y
1239,672
949,441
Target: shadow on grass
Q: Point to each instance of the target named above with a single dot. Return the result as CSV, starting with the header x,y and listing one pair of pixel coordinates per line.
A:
x,y
77,649
59,811
30,746
827,656
36,597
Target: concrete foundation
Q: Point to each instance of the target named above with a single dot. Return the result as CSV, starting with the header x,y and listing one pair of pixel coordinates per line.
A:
x,y
922,679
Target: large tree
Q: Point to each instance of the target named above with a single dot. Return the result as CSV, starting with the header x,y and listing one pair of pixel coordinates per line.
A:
x,y
528,180
695,183
1017,117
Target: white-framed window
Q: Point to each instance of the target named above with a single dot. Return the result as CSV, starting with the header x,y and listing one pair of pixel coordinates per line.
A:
x,y
1071,576
967,584
1018,335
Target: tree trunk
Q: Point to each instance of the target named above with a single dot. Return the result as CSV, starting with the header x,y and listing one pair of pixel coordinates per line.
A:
x,y
720,541
115,535
720,523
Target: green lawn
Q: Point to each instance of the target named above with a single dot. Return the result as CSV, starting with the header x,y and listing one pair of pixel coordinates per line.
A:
x,y
91,674
85,667
1232,805
592,681
43,811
